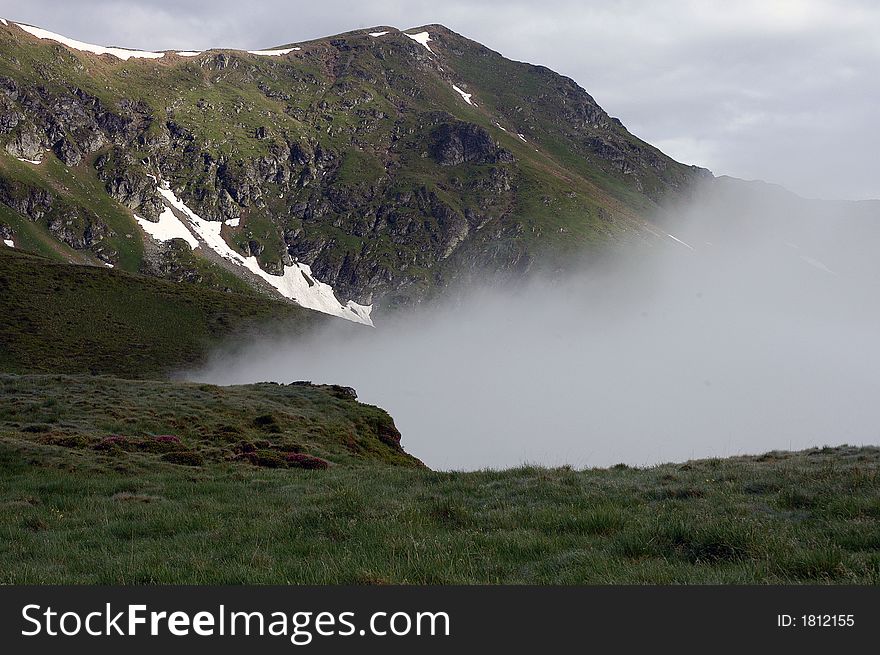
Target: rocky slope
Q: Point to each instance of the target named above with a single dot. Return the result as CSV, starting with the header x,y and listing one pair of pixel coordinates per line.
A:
x,y
385,164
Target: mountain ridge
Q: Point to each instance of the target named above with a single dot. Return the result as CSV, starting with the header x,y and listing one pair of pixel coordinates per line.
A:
x,y
385,166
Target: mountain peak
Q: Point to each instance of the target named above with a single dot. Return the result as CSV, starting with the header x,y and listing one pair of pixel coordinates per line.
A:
x,y
433,30
377,166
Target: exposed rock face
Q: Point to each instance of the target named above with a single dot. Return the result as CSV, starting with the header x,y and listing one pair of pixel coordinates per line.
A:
x,y
128,183
30,201
388,433
166,263
72,123
26,145
460,142
175,261
69,227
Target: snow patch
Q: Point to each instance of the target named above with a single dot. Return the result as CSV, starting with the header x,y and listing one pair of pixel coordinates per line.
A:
x,y
188,53
30,161
108,264
686,245
521,137
3,20
272,53
499,127
169,227
233,222
9,242
421,37
120,53
378,33
815,263
297,283
465,96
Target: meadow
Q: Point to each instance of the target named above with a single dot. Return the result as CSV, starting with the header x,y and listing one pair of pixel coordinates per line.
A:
x,y
94,490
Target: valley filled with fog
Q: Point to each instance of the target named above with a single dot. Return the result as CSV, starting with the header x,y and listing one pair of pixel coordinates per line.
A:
x,y
751,327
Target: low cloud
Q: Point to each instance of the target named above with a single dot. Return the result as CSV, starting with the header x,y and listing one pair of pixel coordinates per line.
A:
x,y
761,335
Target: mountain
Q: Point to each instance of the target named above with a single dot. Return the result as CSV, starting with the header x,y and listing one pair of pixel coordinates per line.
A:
x,y
371,168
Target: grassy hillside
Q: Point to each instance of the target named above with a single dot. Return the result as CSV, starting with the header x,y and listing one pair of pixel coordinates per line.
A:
x,y
77,508
57,317
260,424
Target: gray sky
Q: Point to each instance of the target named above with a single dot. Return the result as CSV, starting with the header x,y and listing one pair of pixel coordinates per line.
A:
x,y
781,90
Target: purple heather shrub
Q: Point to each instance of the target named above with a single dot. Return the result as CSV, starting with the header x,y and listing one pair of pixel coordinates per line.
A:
x,y
111,441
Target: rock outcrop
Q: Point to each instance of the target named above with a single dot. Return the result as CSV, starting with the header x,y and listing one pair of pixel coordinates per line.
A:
x,y
459,142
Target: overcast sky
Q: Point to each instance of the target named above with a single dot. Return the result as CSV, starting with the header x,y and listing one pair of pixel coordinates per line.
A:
x,y
781,90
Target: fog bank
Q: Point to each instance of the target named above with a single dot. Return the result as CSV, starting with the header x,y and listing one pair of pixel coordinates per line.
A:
x,y
756,331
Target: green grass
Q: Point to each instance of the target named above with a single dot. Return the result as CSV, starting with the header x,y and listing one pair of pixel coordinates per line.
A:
x,y
360,168
74,512
57,317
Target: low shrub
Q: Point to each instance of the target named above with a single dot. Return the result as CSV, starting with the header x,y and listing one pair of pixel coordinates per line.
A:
x,y
66,441
303,461
184,458
269,459
36,428
267,423
265,458
113,442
